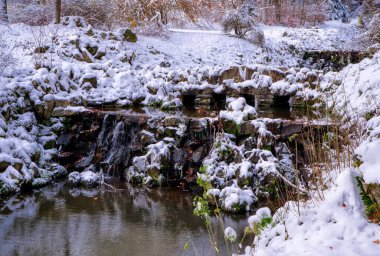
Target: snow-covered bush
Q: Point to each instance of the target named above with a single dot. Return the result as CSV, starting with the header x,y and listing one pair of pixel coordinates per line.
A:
x,y
100,13
239,23
31,14
373,33
6,57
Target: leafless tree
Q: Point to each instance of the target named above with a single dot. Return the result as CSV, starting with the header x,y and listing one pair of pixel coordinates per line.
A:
x,y
3,11
57,11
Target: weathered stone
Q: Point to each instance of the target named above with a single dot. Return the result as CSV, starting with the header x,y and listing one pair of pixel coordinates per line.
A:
x,y
297,102
91,79
90,179
198,155
172,121
264,101
231,74
75,179
147,138
205,101
87,57
290,129
100,54
275,74
153,171
248,128
170,131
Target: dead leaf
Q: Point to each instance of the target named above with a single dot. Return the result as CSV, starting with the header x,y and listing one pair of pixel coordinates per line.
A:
x,y
377,241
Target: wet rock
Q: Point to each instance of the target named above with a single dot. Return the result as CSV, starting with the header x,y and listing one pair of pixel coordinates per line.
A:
x,y
153,171
198,155
179,156
75,179
147,138
90,179
58,171
87,179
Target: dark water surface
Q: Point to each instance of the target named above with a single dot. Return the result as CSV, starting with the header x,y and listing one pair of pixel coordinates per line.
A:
x,y
59,220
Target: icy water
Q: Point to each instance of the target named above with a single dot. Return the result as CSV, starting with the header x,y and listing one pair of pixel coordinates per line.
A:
x,y
59,220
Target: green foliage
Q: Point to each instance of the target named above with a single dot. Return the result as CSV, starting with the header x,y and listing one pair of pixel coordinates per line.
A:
x,y
361,22
236,208
267,147
203,169
371,208
156,104
293,138
369,116
260,226
202,209
358,163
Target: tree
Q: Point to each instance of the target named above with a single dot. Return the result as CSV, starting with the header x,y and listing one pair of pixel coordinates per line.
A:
x,y
3,11
57,11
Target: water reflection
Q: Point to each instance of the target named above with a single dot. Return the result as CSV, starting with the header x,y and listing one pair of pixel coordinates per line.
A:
x,y
59,220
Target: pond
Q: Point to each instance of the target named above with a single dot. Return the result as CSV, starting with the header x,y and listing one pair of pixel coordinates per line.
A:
x,y
59,220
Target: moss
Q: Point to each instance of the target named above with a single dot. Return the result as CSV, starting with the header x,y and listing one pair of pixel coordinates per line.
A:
x,y
368,116
155,104
202,169
232,128
136,179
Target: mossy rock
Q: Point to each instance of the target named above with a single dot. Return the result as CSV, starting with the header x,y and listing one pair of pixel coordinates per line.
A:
x,y
128,35
231,127
92,49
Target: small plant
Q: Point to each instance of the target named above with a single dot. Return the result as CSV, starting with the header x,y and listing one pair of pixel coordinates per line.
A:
x,y
258,227
6,56
372,209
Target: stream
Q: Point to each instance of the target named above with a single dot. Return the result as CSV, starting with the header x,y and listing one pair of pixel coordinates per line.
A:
x,y
59,220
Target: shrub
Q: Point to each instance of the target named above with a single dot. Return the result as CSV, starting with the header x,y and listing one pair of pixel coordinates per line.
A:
x,y
234,20
6,56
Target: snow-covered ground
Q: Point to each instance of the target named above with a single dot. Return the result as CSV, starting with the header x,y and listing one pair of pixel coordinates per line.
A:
x,y
153,70
337,224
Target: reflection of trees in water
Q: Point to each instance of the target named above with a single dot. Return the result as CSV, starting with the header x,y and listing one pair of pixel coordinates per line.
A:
x,y
62,221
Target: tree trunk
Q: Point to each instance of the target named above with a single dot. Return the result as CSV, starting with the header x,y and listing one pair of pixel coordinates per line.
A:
x,y
3,11
58,11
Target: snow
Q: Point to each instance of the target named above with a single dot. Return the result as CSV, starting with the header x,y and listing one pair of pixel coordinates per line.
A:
x,y
238,111
371,161
155,70
230,234
334,226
